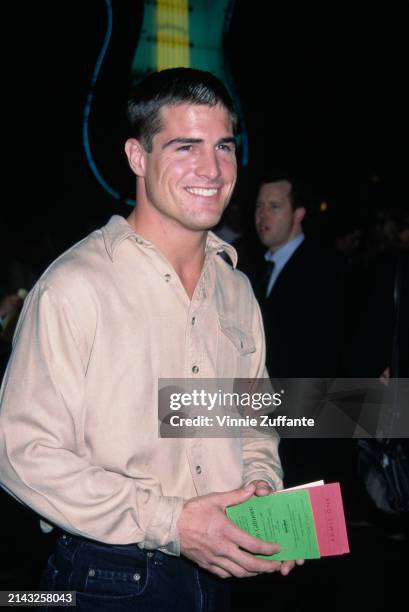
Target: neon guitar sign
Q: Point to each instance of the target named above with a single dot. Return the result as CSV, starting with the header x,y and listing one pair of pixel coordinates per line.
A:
x,y
190,34
173,33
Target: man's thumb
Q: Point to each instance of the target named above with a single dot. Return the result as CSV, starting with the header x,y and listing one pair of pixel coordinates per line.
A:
x,y
239,495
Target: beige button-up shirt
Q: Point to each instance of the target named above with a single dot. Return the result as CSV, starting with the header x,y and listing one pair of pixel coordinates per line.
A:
x,y
78,419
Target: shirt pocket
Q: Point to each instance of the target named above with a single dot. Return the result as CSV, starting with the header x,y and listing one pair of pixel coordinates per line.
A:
x,y
241,338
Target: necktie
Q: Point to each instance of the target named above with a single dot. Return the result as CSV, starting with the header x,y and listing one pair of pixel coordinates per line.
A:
x,y
267,274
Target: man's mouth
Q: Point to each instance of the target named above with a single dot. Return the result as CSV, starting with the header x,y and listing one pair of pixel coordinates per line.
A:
x,y
205,192
262,228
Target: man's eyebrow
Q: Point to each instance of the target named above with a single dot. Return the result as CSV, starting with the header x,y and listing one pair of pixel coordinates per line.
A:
x,y
227,140
183,141
188,141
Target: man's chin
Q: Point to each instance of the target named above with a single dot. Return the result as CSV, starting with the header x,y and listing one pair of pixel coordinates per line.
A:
x,y
206,224
264,242
203,228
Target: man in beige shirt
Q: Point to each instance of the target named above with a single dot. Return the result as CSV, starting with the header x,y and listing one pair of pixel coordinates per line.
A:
x,y
141,299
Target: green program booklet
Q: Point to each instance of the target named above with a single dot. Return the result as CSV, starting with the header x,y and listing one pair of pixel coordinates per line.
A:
x,y
307,523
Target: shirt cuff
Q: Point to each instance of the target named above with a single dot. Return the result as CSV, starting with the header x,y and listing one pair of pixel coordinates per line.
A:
x,y
162,532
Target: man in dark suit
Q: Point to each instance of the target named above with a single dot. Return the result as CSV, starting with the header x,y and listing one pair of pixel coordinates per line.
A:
x,y
297,288
300,292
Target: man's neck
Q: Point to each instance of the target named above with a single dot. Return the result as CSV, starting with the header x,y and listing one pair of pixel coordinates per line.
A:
x,y
299,235
183,248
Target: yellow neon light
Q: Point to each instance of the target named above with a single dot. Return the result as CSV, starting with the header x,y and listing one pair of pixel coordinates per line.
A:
x,y
172,34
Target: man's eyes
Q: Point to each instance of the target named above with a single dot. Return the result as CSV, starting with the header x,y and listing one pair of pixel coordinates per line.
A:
x,y
269,206
226,147
187,147
219,147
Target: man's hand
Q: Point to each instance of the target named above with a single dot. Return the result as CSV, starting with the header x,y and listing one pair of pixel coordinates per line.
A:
x,y
263,488
211,540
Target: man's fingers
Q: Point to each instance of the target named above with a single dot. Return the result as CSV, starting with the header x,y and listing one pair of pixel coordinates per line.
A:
x,y
254,564
286,567
237,496
262,488
250,543
231,568
218,571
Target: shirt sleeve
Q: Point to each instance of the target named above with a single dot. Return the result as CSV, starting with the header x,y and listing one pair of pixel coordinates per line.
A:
x,y
261,460
42,438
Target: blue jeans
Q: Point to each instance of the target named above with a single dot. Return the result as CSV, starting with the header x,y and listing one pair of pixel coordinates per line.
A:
x,y
108,577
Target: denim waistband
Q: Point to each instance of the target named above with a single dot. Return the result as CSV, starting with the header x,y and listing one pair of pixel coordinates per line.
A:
x,y
78,538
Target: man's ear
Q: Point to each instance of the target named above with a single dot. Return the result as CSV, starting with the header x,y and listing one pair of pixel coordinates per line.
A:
x,y
136,156
299,214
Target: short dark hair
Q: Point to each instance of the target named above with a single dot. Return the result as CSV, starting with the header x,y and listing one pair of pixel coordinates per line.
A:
x,y
172,87
297,195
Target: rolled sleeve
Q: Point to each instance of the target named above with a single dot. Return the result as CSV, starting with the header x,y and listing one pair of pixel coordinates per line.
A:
x,y
162,531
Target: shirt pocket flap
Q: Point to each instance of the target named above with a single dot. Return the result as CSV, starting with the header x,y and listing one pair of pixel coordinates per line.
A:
x,y
240,337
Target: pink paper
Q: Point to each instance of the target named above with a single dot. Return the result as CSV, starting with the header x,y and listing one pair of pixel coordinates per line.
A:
x,y
328,512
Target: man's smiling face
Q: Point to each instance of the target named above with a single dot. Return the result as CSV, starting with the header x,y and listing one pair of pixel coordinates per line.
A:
x,y
190,174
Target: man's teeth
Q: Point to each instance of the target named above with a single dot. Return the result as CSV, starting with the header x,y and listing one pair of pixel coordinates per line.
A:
x,y
201,191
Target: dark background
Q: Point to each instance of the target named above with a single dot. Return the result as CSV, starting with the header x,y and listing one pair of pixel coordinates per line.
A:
x,y
322,90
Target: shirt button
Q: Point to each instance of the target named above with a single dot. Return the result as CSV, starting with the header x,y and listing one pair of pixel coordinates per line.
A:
x,y
149,554
195,369
136,577
198,469
193,320
167,277
91,572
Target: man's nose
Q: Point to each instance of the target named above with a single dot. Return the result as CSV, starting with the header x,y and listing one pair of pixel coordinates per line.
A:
x,y
260,213
208,165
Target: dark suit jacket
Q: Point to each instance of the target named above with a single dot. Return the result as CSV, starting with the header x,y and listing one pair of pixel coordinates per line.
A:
x,y
303,315
304,328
